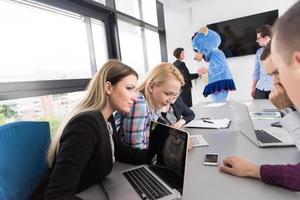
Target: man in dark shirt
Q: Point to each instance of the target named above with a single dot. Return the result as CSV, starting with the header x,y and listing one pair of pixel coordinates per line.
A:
x,y
186,94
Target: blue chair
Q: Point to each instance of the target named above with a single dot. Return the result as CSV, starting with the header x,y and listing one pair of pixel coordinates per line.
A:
x,y
23,150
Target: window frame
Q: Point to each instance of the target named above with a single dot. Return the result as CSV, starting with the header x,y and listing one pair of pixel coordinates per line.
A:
x,y
109,16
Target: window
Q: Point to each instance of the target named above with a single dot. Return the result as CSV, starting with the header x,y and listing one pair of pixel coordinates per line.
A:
x,y
140,47
50,49
99,40
52,108
149,11
144,10
129,7
139,41
51,46
131,46
153,48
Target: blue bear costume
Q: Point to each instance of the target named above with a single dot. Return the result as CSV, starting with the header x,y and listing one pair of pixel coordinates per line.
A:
x,y
219,76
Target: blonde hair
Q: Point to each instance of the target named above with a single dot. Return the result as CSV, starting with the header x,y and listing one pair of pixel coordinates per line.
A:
x,y
94,99
157,76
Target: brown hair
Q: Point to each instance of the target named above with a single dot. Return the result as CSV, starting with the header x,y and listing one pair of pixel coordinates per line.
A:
x,y
264,30
266,52
177,52
286,32
95,98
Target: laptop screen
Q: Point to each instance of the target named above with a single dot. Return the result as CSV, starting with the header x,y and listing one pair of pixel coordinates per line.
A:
x,y
167,153
244,121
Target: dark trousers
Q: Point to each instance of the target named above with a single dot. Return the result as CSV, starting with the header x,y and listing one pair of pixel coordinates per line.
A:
x,y
259,94
186,96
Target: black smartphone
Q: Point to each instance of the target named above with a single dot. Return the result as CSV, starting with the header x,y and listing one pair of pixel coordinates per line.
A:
x,y
211,159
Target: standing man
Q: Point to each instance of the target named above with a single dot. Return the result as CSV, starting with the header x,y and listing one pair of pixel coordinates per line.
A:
x,y
186,94
262,82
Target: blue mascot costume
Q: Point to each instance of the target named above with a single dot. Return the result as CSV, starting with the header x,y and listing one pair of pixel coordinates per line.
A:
x,y
205,43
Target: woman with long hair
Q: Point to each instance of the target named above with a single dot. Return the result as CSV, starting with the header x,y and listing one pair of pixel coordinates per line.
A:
x,y
158,90
82,151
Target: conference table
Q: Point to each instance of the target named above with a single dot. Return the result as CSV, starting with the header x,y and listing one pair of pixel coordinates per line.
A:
x,y
207,182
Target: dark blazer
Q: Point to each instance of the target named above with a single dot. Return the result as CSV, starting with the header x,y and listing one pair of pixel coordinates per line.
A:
x,y
185,73
182,111
84,158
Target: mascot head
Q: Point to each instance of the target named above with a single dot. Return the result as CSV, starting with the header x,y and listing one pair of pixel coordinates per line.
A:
x,y
205,41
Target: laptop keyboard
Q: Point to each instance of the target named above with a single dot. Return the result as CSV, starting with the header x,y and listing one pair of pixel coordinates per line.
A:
x,y
145,184
265,137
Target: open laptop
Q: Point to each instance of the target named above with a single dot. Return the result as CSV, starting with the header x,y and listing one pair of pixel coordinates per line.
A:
x,y
266,137
163,177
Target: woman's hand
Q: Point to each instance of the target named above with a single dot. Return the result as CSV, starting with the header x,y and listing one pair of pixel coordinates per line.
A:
x,y
179,124
240,167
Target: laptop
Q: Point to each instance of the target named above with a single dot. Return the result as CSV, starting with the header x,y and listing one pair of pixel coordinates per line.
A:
x,y
265,137
162,177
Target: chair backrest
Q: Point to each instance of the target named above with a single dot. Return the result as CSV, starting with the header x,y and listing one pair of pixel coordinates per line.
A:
x,y
23,148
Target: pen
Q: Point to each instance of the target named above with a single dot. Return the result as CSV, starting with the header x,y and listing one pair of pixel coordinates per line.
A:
x,y
208,121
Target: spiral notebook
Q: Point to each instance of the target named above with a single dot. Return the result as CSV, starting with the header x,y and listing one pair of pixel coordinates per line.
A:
x,y
209,123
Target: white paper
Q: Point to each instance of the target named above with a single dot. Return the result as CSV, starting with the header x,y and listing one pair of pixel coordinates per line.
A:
x,y
198,140
214,105
265,115
215,123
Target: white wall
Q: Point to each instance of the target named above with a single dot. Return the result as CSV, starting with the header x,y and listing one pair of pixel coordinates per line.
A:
x,y
179,32
181,24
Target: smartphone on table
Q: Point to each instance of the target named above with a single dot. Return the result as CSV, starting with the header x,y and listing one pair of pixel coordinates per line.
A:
x,y
211,159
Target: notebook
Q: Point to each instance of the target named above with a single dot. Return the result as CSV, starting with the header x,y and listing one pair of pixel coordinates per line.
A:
x,y
209,123
266,137
163,177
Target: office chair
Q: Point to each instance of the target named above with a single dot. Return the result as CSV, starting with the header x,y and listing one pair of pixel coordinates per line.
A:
x,y
23,149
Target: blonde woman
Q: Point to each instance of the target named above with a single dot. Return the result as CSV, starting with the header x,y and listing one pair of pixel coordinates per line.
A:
x,y
158,90
82,152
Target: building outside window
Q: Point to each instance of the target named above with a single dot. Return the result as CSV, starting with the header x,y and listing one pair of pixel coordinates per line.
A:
x,y
52,108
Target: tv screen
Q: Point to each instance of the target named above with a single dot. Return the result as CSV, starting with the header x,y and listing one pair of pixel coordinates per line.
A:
x,y
239,36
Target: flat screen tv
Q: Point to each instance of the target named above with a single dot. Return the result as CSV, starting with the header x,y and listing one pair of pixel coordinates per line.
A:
x,y
239,36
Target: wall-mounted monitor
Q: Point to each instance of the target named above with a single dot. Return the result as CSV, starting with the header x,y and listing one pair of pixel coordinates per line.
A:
x,y
239,36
